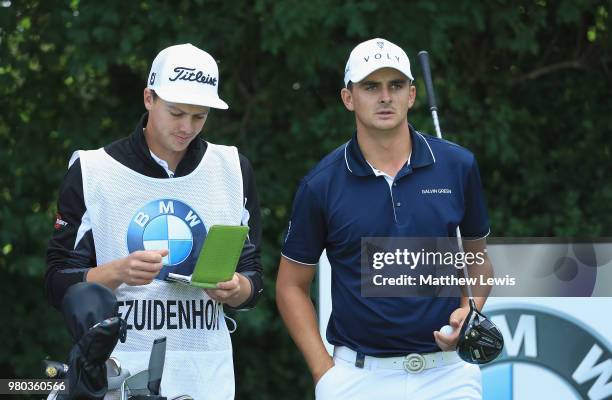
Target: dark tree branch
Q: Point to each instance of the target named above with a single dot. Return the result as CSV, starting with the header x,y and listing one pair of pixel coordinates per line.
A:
x,y
548,69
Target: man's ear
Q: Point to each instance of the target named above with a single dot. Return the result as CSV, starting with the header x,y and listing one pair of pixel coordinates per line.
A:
x,y
412,94
148,99
347,99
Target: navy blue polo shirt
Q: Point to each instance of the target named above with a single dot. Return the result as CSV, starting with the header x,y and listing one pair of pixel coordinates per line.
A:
x,y
341,200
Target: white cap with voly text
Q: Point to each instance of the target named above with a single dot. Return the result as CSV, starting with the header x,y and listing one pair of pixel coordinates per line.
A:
x,y
187,75
373,55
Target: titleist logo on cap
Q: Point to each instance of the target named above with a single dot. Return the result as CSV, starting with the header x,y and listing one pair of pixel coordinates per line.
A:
x,y
187,74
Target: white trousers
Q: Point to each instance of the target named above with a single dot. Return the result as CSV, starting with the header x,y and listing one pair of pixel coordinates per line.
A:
x,y
461,381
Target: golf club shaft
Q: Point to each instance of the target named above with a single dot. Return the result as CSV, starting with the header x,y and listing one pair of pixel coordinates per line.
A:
x,y
465,273
431,97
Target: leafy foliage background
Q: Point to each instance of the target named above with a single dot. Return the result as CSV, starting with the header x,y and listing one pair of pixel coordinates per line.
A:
x,y
524,84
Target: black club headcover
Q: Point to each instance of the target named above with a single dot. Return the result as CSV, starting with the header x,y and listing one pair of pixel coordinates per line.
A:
x,y
90,312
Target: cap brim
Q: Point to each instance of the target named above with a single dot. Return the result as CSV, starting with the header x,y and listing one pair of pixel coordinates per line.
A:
x,y
358,77
186,98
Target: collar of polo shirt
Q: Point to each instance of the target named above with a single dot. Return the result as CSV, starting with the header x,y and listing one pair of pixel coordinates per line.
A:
x,y
421,155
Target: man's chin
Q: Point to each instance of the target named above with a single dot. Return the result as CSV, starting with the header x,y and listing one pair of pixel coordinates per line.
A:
x,y
179,145
386,125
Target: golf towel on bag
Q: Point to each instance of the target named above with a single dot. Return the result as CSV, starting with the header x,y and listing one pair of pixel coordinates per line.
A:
x,y
128,212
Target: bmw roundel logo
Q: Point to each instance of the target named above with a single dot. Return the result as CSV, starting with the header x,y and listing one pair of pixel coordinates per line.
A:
x,y
168,224
547,355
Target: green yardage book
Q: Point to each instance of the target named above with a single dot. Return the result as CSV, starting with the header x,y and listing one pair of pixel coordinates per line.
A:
x,y
218,259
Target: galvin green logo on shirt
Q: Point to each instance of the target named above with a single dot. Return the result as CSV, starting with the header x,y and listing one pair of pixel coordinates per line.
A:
x,y
437,191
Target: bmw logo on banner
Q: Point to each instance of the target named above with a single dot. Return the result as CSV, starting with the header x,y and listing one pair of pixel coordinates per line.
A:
x,y
547,355
168,224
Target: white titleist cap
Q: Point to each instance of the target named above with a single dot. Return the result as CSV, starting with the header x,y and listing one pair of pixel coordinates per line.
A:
x,y
187,75
372,55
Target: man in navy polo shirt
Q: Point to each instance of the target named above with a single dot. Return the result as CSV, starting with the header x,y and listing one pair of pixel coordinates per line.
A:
x,y
387,180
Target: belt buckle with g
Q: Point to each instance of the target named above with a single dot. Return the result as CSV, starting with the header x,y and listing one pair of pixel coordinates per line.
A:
x,y
414,363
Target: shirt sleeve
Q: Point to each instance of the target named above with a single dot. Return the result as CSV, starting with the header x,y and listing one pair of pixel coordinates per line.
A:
x,y
70,252
249,264
306,233
475,223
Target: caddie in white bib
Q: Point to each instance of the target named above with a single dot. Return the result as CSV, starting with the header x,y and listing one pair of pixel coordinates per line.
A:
x,y
130,212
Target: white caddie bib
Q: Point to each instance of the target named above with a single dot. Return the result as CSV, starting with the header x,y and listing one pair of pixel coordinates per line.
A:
x,y
128,212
